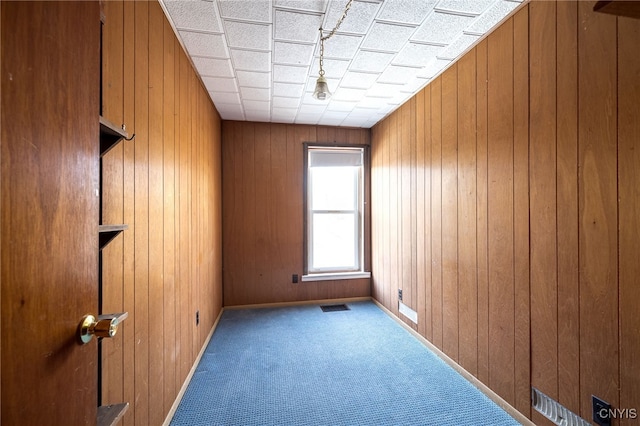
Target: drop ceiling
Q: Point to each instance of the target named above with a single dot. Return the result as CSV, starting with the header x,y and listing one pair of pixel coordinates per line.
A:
x,y
259,59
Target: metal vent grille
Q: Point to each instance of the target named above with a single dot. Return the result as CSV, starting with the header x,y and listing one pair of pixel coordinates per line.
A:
x,y
334,308
555,412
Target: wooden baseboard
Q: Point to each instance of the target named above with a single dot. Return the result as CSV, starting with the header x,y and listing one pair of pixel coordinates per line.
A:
x,y
299,303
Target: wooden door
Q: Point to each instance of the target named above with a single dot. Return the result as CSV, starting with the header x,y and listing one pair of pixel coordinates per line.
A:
x,y
49,210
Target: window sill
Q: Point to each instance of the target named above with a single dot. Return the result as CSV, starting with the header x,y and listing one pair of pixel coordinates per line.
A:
x,y
336,276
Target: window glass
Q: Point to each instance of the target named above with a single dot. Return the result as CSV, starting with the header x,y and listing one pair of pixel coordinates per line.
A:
x,y
335,203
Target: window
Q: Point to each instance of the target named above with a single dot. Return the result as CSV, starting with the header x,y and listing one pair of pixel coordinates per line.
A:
x,y
335,188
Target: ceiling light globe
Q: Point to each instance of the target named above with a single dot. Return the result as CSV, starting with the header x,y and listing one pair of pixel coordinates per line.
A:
x,y
322,92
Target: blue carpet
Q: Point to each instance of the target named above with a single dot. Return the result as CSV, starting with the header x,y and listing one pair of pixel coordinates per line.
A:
x,y
301,366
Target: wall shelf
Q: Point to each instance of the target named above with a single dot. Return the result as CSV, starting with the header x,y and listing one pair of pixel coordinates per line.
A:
x,y
630,9
106,233
110,135
109,415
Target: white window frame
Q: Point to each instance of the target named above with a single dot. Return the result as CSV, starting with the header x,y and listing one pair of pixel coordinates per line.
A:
x,y
336,273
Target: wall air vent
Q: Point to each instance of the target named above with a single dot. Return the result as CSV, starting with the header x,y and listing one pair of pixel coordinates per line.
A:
x,y
555,412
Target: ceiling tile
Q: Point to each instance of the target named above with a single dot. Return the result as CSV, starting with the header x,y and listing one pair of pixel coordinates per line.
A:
x,y
333,68
338,105
406,11
288,114
201,44
351,95
340,46
217,84
416,55
258,115
371,61
433,68
475,7
317,109
397,75
226,98
290,74
194,15
254,79
459,46
358,20
307,118
441,28
293,53
414,85
254,105
213,67
358,80
254,94
248,36
235,109
382,90
280,102
302,27
387,37
492,16
250,60
369,104
309,5
230,115
288,90
330,118
250,10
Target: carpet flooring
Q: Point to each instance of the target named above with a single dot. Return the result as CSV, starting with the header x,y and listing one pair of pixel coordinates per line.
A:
x,y
302,366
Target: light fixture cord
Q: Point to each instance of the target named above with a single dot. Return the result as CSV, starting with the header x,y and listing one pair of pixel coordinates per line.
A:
x,y
331,34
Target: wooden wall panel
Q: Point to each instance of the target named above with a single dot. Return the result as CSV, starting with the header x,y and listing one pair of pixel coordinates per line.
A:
x,y
500,210
436,212
546,210
598,237
482,185
543,198
629,215
522,325
165,184
169,218
466,217
450,212
113,201
421,258
405,261
262,216
141,212
567,196
394,260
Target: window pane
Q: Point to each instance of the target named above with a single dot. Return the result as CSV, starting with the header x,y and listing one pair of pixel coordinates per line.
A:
x,y
334,241
334,188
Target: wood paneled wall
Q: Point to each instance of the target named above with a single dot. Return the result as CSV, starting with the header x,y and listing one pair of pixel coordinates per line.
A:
x,y
505,205
263,214
166,185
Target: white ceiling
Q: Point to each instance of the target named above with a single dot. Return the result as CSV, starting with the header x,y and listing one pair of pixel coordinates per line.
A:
x,y
259,59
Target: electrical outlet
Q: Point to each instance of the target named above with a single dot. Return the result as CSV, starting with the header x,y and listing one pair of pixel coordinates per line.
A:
x,y
197,317
400,295
601,411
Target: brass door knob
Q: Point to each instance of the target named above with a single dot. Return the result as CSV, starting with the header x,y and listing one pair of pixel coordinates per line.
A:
x,y
104,326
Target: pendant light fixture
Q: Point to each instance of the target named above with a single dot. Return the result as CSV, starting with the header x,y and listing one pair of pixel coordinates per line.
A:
x,y
322,92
